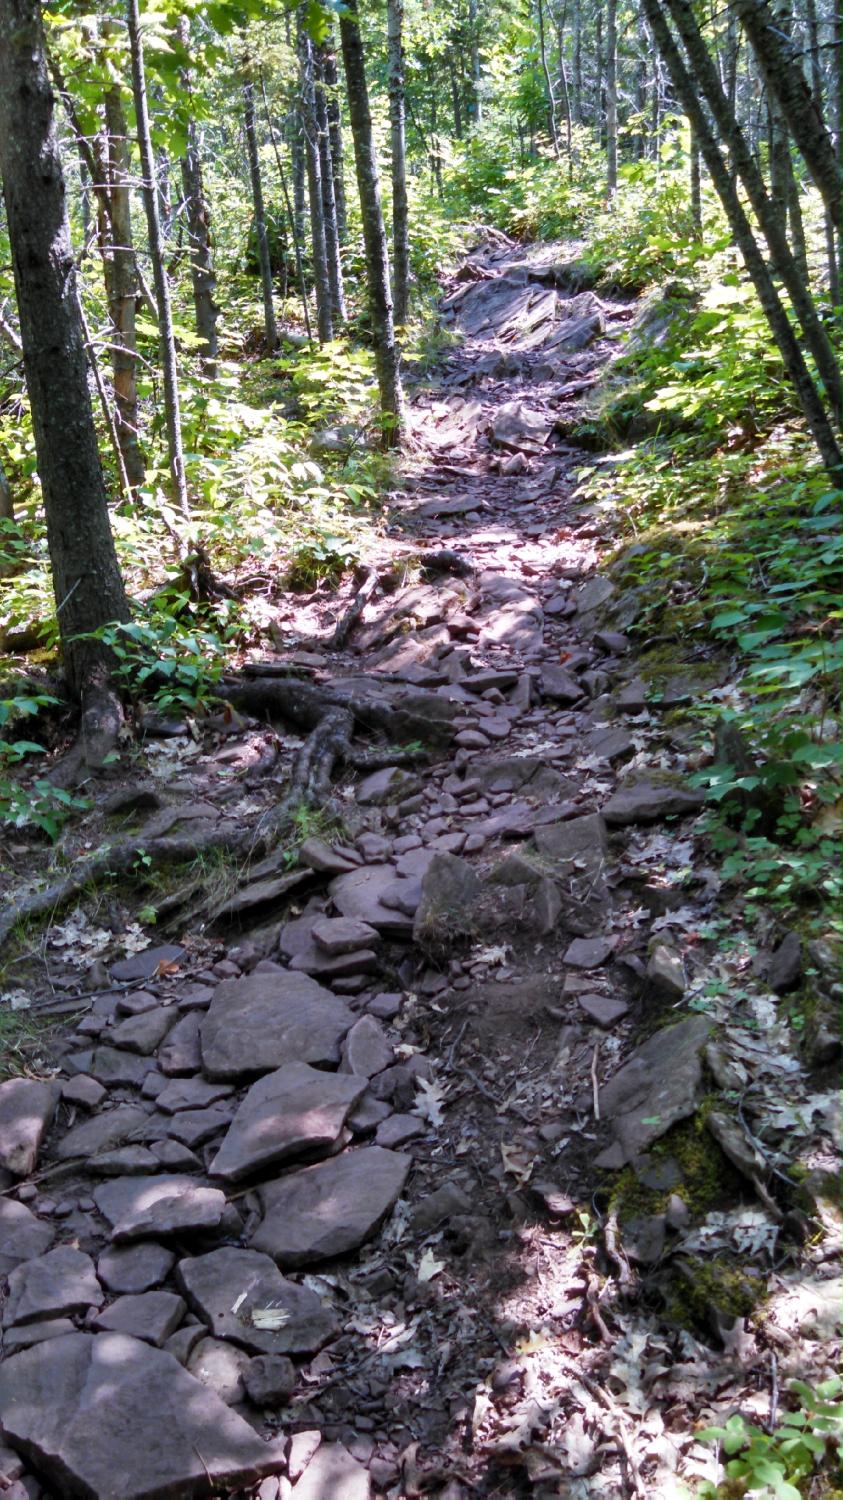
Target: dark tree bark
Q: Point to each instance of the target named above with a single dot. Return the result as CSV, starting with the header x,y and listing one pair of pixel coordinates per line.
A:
x,y
770,217
86,576
374,234
696,187
332,93
787,83
687,92
400,214
817,88
329,202
318,240
261,236
291,216
474,48
202,272
577,89
611,96
122,286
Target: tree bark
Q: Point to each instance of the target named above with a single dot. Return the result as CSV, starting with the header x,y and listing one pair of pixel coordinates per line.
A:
x,y
374,234
86,575
203,276
786,81
577,90
319,246
686,88
332,99
122,285
400,214
611,96
329,202
696,187
770,218
265,265
474,48
548,82
291,216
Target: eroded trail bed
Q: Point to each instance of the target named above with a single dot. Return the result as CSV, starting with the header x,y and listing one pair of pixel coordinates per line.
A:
x,y
418,1169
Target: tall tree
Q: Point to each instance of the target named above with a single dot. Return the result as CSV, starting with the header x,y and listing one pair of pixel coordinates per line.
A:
x,y
122,282
261,235
329,201
374,234
202,274
397,110
611,96
86,575
331,82
318,239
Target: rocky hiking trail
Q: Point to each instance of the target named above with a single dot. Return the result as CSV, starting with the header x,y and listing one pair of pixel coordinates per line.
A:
x,y
426,1163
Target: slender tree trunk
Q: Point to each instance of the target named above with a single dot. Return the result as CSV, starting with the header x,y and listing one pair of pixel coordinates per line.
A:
x,y
261,235
598,109
770,217
299,171
577,63
291,217
786,81
548,83
202,272
696,187
172,410
611,96
122,289
400,215
456,97
329,202
817,89
474,47
566,95
374,234
331,79
687,94
321,275
86,575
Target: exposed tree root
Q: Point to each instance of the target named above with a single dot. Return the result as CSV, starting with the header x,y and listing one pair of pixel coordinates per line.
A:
x,y
329,742
100,727
347,621
401,716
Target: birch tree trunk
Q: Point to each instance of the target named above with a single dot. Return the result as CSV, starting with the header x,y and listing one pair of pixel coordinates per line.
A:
x,y
374,234
400,218
332,99
310,124
87,582
264,263
329,202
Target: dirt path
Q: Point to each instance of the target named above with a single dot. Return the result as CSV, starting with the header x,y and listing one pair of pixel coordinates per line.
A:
x,y
479,1018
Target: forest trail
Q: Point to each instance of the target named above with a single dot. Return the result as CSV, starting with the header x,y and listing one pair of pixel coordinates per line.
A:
x,y
493,951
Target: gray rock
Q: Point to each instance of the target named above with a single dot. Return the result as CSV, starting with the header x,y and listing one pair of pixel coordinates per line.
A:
x,y
317,855
666,973
388,785
603,1010
784,969
256,1024
25,1337
632,698
643,1238
150,1316
192,1127
26,1111
56,1285
647,800
569,843
337,935
102,1133
139,1208
367,1115
190,1093
235,1292
657,1085
181,1054
135,1268
145,965
358,894
735,1143
125,1161
588,953
331,1208
83,1091
110,1066
144,1032
609,744
559,685
334,1472
596,592
22,1236
399,1130
294,1111
108,1415
220,1367
182,1343
438,1206
450,894
366,1050
270,1380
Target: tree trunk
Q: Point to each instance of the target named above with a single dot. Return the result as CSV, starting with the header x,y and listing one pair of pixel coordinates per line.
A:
x,y
331,81
566,95
400,216
770,218
577,63
474,47
374,234
696,187
548,83
329,202
199,231
291,216
321,276
817,88
172,411
86,575
611,96
261,236
687,92
787,83
122,289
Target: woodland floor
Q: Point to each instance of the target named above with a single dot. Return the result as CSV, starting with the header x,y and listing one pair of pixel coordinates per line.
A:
x,y
600,1243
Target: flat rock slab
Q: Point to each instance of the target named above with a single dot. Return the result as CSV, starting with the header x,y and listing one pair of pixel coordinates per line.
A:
x,y
359,894
180,1054
257,1024
26,1110
112,1417
648,800
102,1133
331,1208
658,1085
366,1050
449,896
56,1285
190,1093
147,963
110,1066
336,935
22,1236
588,953
147,1207
135,1268
144,1032
296,1110
334,1472
150,1316
603,1010
235,1292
